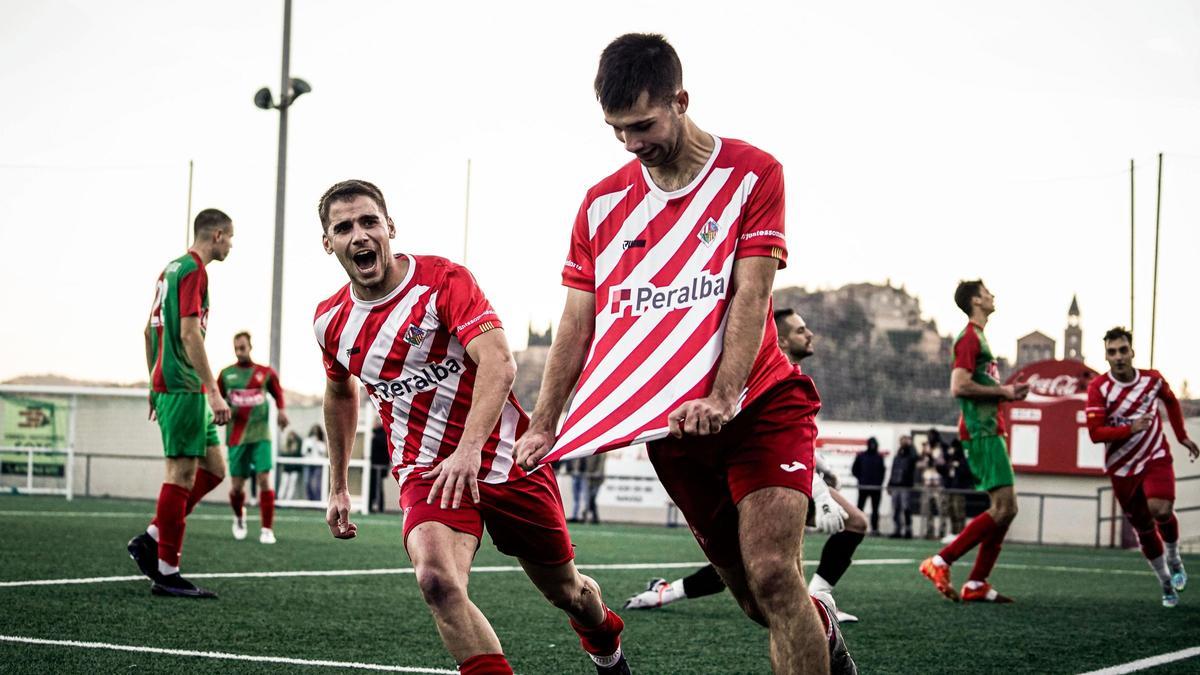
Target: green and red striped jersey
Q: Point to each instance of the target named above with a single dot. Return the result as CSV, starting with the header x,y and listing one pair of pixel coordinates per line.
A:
x,y
245,387
181,291
980,417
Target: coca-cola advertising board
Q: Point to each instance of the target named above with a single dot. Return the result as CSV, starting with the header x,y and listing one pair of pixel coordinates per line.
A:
x,y
1047,432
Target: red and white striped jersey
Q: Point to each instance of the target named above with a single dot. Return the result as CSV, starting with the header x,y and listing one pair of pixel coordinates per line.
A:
x,y
1112,406
660,265
408,349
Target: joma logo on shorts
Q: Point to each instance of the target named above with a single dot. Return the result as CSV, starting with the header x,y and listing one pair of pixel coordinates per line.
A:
x,y
429,376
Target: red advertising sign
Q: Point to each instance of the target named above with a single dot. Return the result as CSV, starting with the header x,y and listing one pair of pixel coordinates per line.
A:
x,y
1048,430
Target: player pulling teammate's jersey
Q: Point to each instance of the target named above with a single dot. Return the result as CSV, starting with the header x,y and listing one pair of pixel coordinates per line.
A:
x,y
246,388
660,265
979,418
182,290
1111,408
407,349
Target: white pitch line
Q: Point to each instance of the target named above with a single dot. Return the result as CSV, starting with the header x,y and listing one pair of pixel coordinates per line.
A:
x,y
1151,662
1067,568
223,655
393,571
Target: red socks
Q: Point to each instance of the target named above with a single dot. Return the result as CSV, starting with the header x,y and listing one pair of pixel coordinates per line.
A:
x,y
485,664
975,532
1152,546
989,550
237,500
202,485
169,516
604,639
266,506
1169,529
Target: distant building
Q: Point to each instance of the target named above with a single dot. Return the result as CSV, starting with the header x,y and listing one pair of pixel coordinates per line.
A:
x,y
531,361
1073,335
1037,346
894,318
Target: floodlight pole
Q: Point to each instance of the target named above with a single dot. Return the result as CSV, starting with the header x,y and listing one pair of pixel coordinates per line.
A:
x,y
187,230
285,100
1154,288
1131,240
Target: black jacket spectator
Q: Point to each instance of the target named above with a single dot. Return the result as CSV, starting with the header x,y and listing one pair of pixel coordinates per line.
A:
x,y
868,466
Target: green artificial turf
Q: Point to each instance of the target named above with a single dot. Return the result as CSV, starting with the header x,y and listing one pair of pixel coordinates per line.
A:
x,y
1078,609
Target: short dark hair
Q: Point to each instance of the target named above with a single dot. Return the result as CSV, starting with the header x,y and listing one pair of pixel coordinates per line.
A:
x,y
209,219
782,314
965,293
633,63
346,191
243,334
1118,332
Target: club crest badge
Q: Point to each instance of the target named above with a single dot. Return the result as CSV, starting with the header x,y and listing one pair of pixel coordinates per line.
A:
x,y
414,336
708,233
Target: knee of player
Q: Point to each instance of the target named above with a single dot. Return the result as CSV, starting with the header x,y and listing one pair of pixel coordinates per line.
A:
x,y
856,522
438,588
1161,510
772,574
1005,513
574,596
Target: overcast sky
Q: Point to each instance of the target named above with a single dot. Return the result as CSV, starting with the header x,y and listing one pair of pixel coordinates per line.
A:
x,y
922,142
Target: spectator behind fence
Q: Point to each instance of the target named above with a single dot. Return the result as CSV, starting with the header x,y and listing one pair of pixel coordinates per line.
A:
x,y
957,477
900,487
929,467
314,447
380,463
289,476
868,470
577,470
594,470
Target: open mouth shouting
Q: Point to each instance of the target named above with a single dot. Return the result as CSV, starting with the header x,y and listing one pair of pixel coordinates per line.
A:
x,y
366,262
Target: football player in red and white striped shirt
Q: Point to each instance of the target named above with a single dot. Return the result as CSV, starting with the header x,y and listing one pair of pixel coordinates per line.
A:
x,y
668,332
426,345
1122,413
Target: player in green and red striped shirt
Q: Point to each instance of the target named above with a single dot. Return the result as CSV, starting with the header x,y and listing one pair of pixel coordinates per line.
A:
x,y
975,382
245,385
185,401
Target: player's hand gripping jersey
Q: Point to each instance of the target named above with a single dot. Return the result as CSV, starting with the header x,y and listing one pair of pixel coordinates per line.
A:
x,y
181,291
246,389
1112,406
660,266
980,417
408,349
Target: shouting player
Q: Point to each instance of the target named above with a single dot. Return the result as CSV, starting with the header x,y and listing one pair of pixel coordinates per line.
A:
x,y
669,277
832,513
975,382
430,351
1122,413
245,385
186,402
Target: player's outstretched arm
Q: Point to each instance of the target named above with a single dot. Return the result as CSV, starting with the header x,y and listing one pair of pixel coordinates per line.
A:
x,y
563,365
962,386
494,375
341,422
193,345
1175,416
751,294
276,391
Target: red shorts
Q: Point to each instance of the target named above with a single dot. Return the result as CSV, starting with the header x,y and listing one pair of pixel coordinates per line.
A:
x,y
524,517
1156,481
769,444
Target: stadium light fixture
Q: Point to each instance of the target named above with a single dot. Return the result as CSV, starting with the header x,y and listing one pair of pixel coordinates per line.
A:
x,y
290,89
